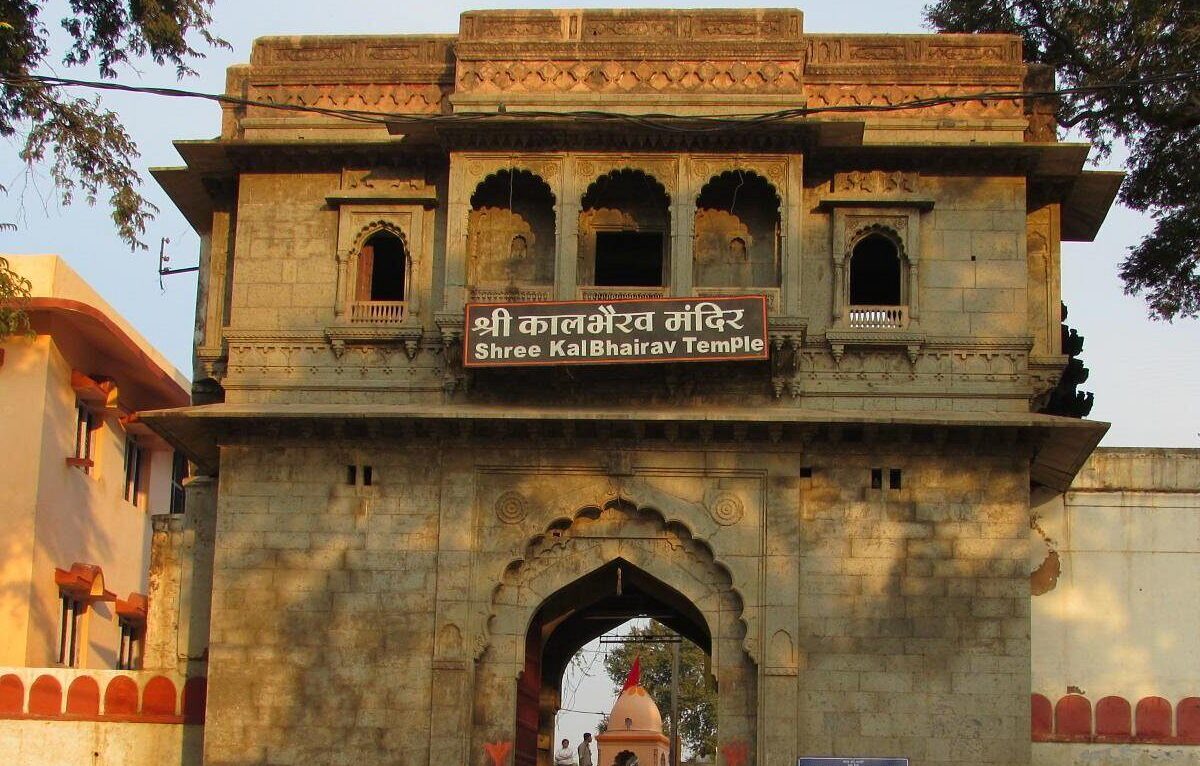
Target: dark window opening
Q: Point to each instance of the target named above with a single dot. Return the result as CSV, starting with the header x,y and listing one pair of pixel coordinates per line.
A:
x,y
876,478
875,272
368,475
894,478
382,268
352,475
179,474
129,655
68,630
629,259
135,460
85,424
806,472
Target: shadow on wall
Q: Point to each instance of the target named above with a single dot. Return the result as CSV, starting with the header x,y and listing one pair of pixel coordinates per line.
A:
x,y
66,538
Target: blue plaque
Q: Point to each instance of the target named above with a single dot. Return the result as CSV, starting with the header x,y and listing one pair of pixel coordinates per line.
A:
x,y
853,762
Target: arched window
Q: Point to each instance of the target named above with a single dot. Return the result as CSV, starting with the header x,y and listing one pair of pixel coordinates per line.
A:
x,y
625,224
875,272
737,232
511,237
382,268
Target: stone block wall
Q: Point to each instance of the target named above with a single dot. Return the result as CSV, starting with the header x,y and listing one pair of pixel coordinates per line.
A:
x,y
870,621
917,607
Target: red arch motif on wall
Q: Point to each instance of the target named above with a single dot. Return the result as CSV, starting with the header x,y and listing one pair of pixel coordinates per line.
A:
x,y
83,697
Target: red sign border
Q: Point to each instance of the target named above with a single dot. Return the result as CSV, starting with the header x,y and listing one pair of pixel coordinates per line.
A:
x,y
766,352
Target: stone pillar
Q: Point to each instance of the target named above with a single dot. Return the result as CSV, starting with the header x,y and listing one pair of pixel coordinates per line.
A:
x,y
453,661
162,618
458,211
792,245
566,263
781,660
683,226
181,560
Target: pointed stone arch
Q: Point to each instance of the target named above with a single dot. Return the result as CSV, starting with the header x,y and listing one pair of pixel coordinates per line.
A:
x,y
651,537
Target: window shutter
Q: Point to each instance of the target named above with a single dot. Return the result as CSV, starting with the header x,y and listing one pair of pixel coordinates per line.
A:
x,y
366,266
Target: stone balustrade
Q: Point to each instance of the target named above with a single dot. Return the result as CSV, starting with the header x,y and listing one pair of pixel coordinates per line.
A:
x,y
878,317
377,312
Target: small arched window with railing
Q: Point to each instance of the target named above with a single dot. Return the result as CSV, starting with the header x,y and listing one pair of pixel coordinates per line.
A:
x,y
381,283
877,283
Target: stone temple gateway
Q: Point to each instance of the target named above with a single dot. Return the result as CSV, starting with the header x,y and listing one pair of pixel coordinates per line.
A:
x,y
389,556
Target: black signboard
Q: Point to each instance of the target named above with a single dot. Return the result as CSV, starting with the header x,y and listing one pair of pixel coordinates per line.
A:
x,y
614,332
853,762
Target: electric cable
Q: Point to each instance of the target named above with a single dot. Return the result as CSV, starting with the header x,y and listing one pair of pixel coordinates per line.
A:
x,y
656,121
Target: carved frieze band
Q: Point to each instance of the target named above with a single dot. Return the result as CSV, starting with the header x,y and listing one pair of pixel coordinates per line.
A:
x,y
387,97
601,27
820,95
567,76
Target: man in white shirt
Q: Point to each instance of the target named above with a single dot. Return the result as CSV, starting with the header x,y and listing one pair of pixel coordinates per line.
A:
x,y
565,756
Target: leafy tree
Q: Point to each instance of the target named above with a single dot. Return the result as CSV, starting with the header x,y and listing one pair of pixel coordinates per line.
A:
x,y
697,698
85,146
14,289
1094,44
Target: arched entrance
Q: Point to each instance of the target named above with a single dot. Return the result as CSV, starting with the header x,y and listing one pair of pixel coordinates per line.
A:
x,y
584,576
582,611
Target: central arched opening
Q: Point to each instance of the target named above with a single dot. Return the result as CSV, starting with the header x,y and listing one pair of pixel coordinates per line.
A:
x,y
594,605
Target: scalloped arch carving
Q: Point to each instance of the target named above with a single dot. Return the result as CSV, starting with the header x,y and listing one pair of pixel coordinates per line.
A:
x,y
534,171
711,177
374,227
887,230
558,555
655,172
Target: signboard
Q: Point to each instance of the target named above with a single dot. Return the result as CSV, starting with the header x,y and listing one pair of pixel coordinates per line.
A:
x,y
615,332
853,762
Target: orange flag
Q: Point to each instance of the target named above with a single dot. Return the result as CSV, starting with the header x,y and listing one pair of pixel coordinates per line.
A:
x,y
635,675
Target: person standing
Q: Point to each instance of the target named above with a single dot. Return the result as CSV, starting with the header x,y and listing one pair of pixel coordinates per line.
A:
x,y
565,756
585,750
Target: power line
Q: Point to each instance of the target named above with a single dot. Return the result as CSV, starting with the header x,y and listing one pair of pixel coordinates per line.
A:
x,y
698,124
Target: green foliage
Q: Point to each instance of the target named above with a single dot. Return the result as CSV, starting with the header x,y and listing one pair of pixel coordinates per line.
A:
x,y
87,149
1092,43
697,698
14,290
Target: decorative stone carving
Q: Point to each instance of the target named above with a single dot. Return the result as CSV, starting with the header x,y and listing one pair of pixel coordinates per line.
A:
x,y
876,181
384,97
511,507
726,508
630,76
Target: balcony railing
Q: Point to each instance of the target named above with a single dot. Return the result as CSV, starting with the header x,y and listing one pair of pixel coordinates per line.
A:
x,y
878,317
377,312
619,293
511,294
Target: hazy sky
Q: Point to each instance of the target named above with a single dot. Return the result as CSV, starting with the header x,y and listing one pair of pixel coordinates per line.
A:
x,y
1144,373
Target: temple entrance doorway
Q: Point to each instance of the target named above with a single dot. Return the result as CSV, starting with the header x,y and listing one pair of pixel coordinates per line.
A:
x,y
597,604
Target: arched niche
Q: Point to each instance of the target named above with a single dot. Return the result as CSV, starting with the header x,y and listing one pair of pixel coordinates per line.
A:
x,y
738,231
511,231
625,231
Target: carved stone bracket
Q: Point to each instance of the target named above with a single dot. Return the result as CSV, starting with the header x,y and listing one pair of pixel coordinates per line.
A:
x,y
450,325
839,340
341,336
787,338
